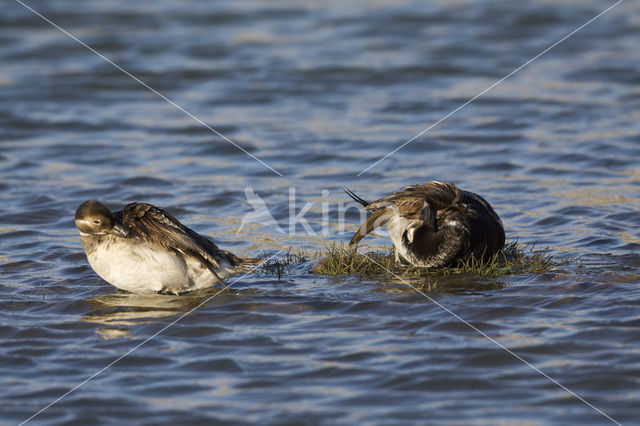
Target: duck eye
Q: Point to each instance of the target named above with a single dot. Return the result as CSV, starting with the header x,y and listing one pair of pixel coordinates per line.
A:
x,y
97,222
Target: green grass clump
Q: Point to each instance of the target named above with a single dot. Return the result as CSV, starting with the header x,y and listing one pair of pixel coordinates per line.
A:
x,y
514,258
470,275
341,259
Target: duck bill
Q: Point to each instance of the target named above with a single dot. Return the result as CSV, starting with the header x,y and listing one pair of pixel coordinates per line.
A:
x,y
118,230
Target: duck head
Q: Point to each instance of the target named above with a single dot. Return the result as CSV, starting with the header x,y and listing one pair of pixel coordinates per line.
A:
x,y
94,218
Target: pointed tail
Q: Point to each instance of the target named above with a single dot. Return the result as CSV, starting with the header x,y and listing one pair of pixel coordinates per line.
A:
x,y
351,194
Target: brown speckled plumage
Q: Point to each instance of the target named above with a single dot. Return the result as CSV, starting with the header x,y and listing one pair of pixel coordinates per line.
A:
x,y
161,253
435,224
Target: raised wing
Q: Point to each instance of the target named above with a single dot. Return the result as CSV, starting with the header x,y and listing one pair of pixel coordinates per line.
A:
x,y
159,228
378,218
408,202
441,195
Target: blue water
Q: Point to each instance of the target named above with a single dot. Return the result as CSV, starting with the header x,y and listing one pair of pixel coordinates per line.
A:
x,y
320,91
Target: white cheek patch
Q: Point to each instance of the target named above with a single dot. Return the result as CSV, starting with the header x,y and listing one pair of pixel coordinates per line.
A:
x,y
411,231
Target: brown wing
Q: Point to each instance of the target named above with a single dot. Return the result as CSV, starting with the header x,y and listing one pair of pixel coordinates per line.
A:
x,y
408,202
378,218
160,229
441,195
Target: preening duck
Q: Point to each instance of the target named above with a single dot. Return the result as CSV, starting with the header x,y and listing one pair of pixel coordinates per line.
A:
x,y
143,249
435,224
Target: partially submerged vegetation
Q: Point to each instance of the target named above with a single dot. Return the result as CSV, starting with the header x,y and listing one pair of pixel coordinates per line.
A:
x,y
341,259
512,259
285,264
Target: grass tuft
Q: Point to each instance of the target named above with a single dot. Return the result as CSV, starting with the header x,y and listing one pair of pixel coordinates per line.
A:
x,y
285,264
514,258
473,274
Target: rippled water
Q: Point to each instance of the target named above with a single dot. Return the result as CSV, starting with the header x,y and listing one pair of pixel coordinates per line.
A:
x,y
319,91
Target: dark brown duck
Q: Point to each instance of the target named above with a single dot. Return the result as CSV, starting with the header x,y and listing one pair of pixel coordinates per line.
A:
x,y
435,224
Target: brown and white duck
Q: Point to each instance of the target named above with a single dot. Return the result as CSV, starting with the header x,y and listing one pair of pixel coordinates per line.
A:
x,y
143,249
435,224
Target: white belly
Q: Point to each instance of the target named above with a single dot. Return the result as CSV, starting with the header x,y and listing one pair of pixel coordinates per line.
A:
x,y
141,268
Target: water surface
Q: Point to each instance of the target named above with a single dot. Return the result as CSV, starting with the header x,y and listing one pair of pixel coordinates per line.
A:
x,y
319,92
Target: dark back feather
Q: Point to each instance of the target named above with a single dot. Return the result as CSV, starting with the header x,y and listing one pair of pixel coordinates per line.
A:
x,y
441,196
159,228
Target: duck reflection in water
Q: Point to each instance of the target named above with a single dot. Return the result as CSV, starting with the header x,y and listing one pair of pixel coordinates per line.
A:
x,y
124,309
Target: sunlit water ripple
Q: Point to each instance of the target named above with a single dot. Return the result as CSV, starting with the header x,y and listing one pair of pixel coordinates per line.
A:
x,y
319,92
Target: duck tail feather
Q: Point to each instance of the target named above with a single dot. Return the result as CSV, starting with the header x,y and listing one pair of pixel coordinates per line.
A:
x,y
351,194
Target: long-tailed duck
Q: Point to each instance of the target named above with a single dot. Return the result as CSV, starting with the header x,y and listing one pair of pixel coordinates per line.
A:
x,y
143,249
435,224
